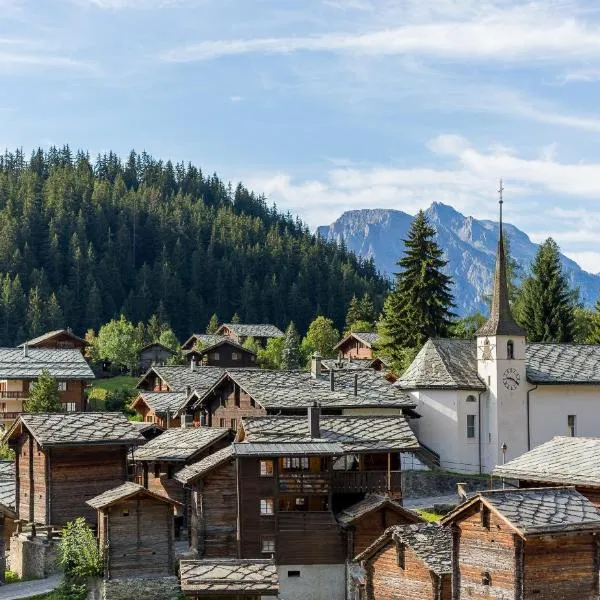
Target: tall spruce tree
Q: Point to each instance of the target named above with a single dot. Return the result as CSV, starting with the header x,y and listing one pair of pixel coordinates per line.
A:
x,y
290,355
213,324
420,304
546,306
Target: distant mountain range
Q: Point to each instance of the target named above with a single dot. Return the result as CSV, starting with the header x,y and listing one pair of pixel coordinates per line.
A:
x,y
470,245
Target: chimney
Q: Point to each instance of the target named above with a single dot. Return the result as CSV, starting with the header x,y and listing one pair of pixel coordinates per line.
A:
x,y
356,384
25,349
315,365
314,417
332,379
187,421
193,364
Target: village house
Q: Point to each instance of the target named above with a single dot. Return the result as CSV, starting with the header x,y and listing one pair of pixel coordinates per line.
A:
x,y
408,562
135,532
561,461
179,378
357,345
240,332
487,401
62,339
525,544
154,354
20,367
160,408
64,459
226,354
229,579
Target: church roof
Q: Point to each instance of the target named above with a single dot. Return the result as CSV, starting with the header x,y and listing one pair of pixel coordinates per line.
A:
x,y
452,364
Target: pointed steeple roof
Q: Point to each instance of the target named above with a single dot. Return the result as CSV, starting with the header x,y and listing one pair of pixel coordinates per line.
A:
x,y
501,321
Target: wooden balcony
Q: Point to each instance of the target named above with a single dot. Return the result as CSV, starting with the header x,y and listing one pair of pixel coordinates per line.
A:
x,y
365,481
305,521
9,416
304,483
11,395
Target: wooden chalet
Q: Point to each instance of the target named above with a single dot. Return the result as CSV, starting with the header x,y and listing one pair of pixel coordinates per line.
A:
x,y
154,354
408,562
572,461
357,345
160,408
20,367
135,532
240,332
225,353
202,340
525,544
64,459
63,339
179,378
228,579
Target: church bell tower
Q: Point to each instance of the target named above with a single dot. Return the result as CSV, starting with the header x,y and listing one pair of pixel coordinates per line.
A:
x,y
501,365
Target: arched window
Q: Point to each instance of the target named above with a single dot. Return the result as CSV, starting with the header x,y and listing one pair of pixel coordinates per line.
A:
x,y
510,350
471,398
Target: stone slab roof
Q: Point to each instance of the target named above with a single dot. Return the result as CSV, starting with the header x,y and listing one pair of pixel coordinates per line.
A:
x,y
373,433
77,429
301,448
562,460
228,576
538,510
143,426
204,466
162,402
63,364
370,503
340,364
563,363
156,345
7,483
179,377
261,330
123,492
206,339
224,342
52,334
180,443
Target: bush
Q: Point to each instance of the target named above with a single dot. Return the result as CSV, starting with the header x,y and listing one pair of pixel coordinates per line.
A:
x,y
78,553
11,577
118,400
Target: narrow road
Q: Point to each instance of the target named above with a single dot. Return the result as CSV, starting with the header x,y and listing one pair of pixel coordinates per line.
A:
x,y
27,589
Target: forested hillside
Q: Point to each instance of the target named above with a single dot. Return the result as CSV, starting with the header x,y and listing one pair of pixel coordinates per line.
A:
x,y
82,241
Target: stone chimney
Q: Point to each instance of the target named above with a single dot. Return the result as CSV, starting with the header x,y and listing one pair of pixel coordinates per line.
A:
x,y
314,418
188,391
25,349
332,379
356,384
315,365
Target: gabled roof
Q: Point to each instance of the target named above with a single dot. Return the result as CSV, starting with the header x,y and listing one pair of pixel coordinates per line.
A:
x,y
245,330
64,364
431,542
563,363
123,492
76,429
350,364
206,339
368,338
443,364
161,402
355,434
143,426
204,466
292,448
370,503
52,334
229,576
536,510
179,377
180,443
159,345
562,460
224,342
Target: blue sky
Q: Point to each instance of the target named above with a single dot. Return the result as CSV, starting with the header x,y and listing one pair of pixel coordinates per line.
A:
x,y
328,105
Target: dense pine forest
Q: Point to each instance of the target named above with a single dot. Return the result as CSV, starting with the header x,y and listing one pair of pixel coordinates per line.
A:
x,y
83,241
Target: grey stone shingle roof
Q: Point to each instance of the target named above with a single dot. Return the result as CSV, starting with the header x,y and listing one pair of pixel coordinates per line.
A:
x,y
206,339
229,576
562,460
180,443
74,429
340,364
163,402
122,492
64,364
204,466
370,503
51,334
224,342
353,433
294,448
179,377
539,510
246,330
7,483
563,363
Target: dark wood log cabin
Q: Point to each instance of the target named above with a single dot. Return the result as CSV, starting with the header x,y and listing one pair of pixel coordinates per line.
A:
x,y
20,367
64,459
240,332
226,354
230,579
60,338
527,544
154,354
408,562
357,345
560,461
135,532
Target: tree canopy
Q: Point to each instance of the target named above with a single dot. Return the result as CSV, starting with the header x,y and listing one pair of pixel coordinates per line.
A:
x,y
44,395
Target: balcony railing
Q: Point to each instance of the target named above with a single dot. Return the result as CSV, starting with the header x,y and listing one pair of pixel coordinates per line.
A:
x,y
365,481
4,394
9,416
304,483
305,520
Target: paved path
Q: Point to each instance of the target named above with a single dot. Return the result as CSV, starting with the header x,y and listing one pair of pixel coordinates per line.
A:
x,y
26,589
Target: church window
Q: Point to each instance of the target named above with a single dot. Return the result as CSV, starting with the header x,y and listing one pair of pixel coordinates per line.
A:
x,y
471,427
510,350
571,423
470,398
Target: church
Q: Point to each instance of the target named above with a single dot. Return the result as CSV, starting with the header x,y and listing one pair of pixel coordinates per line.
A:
x,y
486,401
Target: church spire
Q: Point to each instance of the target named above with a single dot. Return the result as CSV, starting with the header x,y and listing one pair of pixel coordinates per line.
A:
x,y
501,321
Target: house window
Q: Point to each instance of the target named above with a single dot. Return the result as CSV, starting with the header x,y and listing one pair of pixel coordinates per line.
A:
x,y
267,545
296,463
266,506
149,419
510,350
236,395
221,422
235,356
266,468
234,424
400,555
125,512
471,398
301,504
62,386
486,578
215,356
571,425
69,406
470,427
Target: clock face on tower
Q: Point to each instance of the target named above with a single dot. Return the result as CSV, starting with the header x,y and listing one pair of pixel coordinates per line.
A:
x,y
511,379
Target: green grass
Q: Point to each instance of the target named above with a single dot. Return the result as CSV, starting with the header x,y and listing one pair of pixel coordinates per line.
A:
x,y
431,517
10,577
99,389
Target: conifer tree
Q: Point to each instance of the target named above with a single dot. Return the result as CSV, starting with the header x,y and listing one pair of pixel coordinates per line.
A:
x,y
420,305
236,318
213,324
35,313
546,304
290,355
44,395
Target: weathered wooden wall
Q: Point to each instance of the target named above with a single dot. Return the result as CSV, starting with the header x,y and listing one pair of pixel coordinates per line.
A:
x,y
31,481
222,409
355,349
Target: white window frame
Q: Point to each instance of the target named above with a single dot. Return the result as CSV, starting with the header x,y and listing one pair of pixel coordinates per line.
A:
x,y
62,386
69,406
472,427
267,507
267,468
267,545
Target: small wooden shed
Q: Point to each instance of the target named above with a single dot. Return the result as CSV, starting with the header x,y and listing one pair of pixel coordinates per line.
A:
x,y
135,532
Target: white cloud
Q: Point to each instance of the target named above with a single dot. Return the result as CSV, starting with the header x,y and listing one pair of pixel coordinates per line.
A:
x,y
17,60
129,4
236,99
588,260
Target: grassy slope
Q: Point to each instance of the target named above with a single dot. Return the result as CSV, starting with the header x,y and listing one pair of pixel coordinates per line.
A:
x,y
100,387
